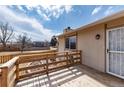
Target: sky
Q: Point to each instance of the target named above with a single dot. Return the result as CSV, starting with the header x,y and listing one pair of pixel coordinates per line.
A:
x,y
41,22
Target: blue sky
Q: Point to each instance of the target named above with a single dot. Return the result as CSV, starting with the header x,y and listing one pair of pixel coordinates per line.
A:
x,y
41,22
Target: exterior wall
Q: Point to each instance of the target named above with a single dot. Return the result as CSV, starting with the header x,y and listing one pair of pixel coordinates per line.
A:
x,y
93,50
61,44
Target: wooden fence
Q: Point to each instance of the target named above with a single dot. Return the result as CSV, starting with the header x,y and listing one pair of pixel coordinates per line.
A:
x,y
27,66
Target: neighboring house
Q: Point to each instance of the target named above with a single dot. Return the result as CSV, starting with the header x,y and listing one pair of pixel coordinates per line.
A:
x,y
40,44
101,42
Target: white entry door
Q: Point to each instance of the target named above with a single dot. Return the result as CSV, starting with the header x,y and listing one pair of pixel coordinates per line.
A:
x,y
115,52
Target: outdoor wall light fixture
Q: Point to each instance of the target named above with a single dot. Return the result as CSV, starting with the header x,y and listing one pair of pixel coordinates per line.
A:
x,y
98,36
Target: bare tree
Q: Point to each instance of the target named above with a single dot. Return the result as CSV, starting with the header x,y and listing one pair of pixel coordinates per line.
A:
x,y
23,41
6,32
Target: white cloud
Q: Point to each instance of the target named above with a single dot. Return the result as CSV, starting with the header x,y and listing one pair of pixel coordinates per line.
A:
x,y
96,10
32,35
68,8
57,10
20,8
23,23
45,17
30,7
109,11
48,11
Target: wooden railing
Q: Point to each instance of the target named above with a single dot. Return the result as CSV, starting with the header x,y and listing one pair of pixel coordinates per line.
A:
x,y
27,66
5,58
8,73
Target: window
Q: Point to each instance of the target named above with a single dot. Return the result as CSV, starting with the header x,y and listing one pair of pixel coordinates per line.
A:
x,y
70,42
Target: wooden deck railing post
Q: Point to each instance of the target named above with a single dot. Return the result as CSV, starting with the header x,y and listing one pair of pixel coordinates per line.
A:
x,y
80,57
47,65
54,56
17,70
2,59
4,82
67,62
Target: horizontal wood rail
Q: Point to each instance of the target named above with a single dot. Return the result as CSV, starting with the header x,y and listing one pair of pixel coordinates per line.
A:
x,y
26,66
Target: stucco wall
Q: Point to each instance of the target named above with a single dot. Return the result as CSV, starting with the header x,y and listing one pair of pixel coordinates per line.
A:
x,y
92,50
61,44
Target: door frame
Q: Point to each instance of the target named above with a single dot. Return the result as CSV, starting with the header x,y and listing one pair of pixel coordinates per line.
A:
x,y
107,52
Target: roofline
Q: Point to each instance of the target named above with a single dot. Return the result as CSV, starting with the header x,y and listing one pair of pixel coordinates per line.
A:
x,y
103,20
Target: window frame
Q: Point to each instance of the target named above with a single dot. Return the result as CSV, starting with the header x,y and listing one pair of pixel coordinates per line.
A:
x,y
69,45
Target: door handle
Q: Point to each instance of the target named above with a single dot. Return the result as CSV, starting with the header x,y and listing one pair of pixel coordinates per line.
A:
x,y
107,50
